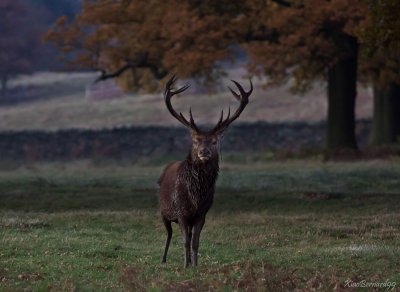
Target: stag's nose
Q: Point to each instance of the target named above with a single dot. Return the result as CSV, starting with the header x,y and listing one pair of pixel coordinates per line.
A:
x,y
204,152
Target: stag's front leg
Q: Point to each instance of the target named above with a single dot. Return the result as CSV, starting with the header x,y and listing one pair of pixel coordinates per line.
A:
x,y
198,226
183,224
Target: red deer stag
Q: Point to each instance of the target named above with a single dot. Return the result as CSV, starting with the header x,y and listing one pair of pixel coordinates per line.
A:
x,y
186,188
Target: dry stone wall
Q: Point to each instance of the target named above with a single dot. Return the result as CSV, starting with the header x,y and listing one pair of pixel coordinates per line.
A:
x,y
136,142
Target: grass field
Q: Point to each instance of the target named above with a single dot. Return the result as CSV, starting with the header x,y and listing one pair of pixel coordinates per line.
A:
x,y
274,226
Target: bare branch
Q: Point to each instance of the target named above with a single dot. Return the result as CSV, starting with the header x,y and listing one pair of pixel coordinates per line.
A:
x,y
105,75
288,4
283,3
140,62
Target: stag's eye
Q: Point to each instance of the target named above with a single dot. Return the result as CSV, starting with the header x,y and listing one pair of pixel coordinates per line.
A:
x,y
214,142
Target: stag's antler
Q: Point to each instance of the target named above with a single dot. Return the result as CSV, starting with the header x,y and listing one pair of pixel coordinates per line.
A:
x,y
167,96
243,97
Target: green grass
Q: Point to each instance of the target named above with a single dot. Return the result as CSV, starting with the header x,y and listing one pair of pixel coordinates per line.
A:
x,y
273,226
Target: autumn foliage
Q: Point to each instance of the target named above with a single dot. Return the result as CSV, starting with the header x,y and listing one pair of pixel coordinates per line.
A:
x,y
190,37
306,39
299,41
147,39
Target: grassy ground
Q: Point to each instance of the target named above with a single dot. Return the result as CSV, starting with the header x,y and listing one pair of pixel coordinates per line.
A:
x,y
68,108
274,226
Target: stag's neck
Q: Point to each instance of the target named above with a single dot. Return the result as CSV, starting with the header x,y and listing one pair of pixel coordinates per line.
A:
x,y
205,171
199,179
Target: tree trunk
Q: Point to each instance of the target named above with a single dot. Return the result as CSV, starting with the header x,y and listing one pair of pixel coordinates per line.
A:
x,y
386,119
342,79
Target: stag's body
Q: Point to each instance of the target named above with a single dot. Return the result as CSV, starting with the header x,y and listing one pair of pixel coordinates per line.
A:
x,y
185,196
186,188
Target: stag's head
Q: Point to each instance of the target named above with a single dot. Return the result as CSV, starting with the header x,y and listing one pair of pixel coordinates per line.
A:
x,y
205,144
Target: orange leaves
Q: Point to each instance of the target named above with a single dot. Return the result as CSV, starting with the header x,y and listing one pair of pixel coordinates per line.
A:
x,y
306,38
173,35
197,40
191,37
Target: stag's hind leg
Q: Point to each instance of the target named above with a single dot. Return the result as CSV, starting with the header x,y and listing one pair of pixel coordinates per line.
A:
x,y
168,227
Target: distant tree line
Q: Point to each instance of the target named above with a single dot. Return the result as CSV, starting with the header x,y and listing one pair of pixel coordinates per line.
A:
x,y
341,42
22,25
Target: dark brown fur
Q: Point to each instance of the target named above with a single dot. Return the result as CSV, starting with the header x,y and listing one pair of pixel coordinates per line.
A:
x,y
186,188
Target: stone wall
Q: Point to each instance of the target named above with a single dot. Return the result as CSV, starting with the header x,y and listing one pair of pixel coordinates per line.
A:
x,y
136,142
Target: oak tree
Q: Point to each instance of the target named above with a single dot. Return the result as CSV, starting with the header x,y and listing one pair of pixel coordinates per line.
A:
x,y
380,71
311,40
380,64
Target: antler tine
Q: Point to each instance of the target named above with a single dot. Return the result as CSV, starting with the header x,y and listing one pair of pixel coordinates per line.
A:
x,y
243,97
182,89
192,123
170,82
182,116
243,93
220,119
237,96
229,112
167,97
169,85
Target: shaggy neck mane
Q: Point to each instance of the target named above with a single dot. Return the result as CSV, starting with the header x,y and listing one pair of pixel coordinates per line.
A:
x,y
202,175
